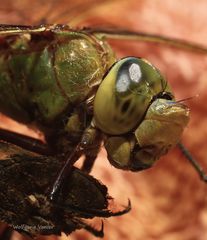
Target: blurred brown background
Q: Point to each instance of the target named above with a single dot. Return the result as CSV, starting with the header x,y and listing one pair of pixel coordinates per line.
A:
x,y
169,201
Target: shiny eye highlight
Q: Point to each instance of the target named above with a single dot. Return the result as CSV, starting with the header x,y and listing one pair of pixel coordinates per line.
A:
x,y
127,74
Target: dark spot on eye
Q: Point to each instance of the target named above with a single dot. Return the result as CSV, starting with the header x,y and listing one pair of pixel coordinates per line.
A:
x,y
125,106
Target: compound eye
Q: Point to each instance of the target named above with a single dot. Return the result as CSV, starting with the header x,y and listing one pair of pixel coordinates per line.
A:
x,y
124,95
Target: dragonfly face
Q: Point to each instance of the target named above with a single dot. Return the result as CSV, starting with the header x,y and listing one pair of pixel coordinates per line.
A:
x,y
135,107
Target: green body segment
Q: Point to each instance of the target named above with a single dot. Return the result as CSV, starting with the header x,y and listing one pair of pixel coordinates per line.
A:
x,y
60,79
41,79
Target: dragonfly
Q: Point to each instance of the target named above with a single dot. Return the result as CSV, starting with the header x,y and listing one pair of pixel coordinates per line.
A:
x,y
86,124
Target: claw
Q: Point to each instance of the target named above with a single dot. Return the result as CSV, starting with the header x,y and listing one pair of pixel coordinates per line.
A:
x,y
95,232
124,211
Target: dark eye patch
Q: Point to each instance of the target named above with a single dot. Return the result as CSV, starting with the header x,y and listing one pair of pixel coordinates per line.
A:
x,y
125,106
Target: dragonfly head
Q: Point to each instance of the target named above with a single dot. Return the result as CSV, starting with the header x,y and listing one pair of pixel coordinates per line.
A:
x,y
136,110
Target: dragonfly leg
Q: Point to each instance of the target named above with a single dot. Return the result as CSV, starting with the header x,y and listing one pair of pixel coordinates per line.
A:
x,y
65,172
6,234
91,141
90,158
26,142
95,232
88,164
193,162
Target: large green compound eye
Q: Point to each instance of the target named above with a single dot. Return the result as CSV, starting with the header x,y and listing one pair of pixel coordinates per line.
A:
x,y
124,95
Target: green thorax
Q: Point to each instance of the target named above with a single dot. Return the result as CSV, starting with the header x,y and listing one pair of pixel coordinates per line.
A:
x,y
45,76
